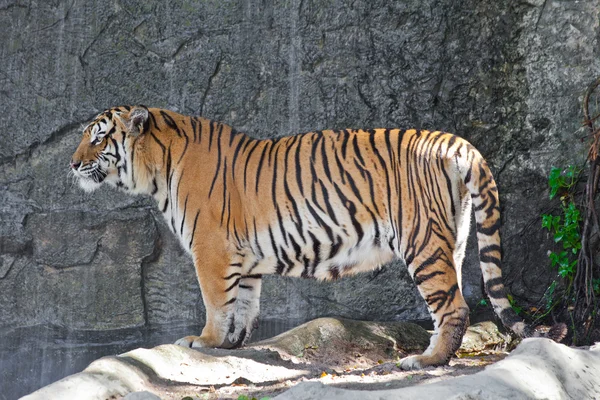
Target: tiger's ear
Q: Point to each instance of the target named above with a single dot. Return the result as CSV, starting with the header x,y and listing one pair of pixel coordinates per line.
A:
x,y
136,123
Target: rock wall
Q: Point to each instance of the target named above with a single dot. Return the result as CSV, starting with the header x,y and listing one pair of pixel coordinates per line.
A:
x,y
508,76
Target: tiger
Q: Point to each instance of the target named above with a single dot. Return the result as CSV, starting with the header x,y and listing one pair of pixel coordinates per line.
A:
x,y
317,205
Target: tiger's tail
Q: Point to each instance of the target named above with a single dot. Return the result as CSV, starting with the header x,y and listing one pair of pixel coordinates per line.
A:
x,y
480,183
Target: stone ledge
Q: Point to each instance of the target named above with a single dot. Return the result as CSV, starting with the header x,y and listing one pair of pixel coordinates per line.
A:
x,y
537,369
345,355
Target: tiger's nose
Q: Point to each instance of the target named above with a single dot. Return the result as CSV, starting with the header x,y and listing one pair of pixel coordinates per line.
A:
x,y
75,164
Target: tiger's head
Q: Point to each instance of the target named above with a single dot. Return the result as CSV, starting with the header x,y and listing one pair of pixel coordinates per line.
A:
x,y
106,149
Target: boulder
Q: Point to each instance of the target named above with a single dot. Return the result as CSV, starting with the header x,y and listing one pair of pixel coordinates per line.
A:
x,y
537,369
347,355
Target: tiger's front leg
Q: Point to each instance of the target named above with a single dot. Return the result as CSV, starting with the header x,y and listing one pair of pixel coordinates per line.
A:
x,y
219,276
244,319
231,298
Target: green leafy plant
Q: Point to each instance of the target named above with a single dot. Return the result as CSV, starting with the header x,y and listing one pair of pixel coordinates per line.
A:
x,y
564,227
596,286
516,308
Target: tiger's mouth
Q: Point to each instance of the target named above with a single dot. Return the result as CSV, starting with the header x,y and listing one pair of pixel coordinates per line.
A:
x,y
90,176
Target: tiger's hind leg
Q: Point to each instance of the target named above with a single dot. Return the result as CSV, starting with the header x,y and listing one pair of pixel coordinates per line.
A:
x,y
435,275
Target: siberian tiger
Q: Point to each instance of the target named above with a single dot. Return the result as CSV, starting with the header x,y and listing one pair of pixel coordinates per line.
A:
x,y
317,205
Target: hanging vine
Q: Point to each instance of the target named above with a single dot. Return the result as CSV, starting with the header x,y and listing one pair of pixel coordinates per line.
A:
x,y
587,278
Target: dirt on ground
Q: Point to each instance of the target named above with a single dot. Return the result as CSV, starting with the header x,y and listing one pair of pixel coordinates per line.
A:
x,y
361,355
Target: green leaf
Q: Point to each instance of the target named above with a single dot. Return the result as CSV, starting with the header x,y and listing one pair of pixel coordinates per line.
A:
x,y
555,222
547,221
554,258
558,236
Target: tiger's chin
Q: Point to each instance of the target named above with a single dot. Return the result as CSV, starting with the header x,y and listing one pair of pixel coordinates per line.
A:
x,y
89,185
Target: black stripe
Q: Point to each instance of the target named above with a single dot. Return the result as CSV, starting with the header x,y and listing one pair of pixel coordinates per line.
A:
x,y
448,188
461,318
273,244
258,248
254,265
234,284
153,120
184,212
274,198
313,151
162,146
170,122
212,185
185,147
287,261
230,301
316,252
422,278
178,186
252,276
260,162
194,127
442,297
194,229
296,246
236,153
509,318
335,247
133,163
438,255
355,188
451,142
168,169
224,189
299,166
467,178
341,170
320,221
330,211
351,207
489,230
344,144
248,161
324,160
495,293
210,134
357,149
490,248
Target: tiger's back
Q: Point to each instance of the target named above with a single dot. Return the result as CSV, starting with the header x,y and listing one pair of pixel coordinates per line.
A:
x,y
320,204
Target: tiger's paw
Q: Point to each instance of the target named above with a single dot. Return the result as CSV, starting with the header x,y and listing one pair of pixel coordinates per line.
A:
x,y
233,340
192,342
422,361
410,363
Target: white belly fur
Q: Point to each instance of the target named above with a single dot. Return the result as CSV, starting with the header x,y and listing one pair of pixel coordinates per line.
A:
x,y
351,257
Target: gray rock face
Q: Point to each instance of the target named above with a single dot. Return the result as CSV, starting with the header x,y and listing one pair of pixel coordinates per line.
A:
x,y
507,76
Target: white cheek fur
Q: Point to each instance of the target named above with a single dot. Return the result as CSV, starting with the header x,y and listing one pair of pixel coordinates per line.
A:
x,y
88,185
